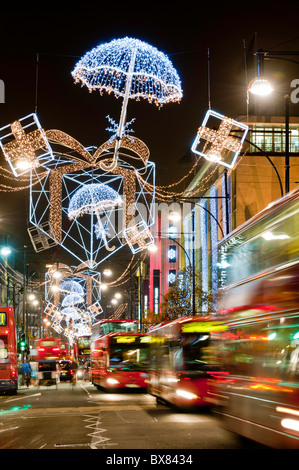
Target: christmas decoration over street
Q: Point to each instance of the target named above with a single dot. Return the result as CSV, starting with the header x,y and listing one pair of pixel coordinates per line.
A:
x,y
131,69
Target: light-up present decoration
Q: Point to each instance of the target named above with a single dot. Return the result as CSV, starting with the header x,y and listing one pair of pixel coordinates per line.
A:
x,y
73,298
80,280
131,69
25,145
219,139
69,204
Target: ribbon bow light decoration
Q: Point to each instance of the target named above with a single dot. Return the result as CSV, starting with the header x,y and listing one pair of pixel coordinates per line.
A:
x,y
58,179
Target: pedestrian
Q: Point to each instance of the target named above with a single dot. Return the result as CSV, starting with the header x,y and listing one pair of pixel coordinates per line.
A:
x,y
26,370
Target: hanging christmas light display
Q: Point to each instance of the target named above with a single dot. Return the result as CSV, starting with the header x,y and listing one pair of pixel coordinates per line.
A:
x,y
101,205
94,199
74,303
222,141
25,145
131,69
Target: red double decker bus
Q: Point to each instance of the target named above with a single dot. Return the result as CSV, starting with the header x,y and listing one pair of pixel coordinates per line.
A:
x,y
82,348
184,360
49,349
119,356
8,351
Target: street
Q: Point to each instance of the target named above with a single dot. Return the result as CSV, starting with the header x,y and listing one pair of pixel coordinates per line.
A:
x,y
81,417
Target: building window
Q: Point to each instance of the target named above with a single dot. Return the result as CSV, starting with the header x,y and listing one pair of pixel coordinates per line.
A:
x,y
272,139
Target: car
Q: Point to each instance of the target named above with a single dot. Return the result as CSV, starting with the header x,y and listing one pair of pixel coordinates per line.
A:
x,y
66,371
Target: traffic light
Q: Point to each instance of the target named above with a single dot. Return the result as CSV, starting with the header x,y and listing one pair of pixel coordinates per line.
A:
x,y
22,345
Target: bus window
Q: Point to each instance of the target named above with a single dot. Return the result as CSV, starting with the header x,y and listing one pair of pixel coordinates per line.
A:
x,y
3,348
266,350
3,319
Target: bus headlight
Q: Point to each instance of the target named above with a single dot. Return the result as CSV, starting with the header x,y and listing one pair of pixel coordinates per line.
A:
x,y
292,424
184,394
111,381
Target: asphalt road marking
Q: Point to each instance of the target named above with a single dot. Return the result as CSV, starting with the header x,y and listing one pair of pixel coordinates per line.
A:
x,y
22,398
9,429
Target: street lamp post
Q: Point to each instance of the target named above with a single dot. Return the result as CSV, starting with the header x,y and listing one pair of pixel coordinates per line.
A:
x,y
261,86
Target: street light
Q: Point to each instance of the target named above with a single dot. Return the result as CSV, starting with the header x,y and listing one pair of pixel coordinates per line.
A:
x,y
5,251
107,272
260,86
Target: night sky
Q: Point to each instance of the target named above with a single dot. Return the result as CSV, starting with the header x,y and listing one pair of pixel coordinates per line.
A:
x,y
61,35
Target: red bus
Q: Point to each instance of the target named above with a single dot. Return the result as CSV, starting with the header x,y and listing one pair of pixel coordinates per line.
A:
x,y
8,351
259,273
82,348
49,349
104,327
184,360
120,361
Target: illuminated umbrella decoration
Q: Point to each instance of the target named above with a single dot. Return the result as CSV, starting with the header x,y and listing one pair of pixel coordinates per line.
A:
x,y
72,287
72,299
129,68
93,199
71,313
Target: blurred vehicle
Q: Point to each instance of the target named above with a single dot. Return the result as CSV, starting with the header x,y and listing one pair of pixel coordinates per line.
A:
x,y
8,351
184,360
120,361
83,372
259,275
81,348
66,370
48,373
51,349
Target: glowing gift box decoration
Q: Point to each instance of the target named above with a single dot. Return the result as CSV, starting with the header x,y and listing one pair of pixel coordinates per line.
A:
x,y
71,282
86,210
138,236
25,145
219,139
73,297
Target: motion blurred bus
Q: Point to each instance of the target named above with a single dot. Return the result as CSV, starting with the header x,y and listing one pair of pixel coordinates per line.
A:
x,y
119,356
104,327
184,360
259,292
8,351
49,349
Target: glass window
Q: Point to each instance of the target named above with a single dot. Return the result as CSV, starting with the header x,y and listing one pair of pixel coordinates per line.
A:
x,y
119,327
294,140
268,349
278,136
3,347
130,356
3,319
269,243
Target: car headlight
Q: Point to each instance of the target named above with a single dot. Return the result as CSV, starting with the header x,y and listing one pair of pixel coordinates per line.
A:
x,y
112,381
184,394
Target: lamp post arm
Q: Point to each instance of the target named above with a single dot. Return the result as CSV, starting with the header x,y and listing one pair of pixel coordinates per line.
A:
x,y
269,159
205,209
